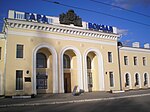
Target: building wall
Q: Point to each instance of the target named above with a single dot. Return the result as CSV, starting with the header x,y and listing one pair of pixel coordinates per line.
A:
x,y
2,64
133,69
55,40
60,42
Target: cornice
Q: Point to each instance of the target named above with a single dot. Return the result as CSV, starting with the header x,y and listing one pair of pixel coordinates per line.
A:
x,y
60,29
132,49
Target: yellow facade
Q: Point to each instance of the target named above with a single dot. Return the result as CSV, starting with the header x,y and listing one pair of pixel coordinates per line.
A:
x,y
2,62
132,69
55,41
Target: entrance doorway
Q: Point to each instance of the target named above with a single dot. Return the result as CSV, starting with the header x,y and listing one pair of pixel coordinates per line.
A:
x,y
92,72
41,81
43,73
67,82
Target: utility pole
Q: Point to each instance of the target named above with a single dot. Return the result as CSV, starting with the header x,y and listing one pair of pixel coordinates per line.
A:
x,y
119,45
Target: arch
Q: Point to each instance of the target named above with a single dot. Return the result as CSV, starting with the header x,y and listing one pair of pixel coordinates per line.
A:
x,y
130,81
54,63
137,79
79,62
148,79
100,70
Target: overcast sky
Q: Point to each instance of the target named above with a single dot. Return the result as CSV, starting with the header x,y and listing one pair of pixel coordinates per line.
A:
x,y
137,30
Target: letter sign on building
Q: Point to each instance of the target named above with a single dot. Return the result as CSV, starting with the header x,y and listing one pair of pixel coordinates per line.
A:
x,y
37,17
100,27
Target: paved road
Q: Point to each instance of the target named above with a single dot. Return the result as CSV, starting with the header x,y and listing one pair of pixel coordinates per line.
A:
x,y
137,104
52,98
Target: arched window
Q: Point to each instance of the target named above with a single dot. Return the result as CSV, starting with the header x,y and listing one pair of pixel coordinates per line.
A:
x,y
41,60
66,61
89,63
136,79
127,79
145,79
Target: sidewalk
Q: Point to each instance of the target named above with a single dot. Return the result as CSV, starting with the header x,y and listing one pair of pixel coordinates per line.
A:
x,y
43,99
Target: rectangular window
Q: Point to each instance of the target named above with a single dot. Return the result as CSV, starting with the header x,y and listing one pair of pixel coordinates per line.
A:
x,y
135,60
19,51
144,61
110,57
19,80
111,79
126,60
0,53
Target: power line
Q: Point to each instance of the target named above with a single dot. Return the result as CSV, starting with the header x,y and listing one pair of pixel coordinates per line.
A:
x,y
98,12
139,13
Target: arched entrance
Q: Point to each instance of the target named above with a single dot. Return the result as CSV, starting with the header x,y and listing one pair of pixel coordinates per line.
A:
x,y
93,72
71,69
43,71
45,76
69,65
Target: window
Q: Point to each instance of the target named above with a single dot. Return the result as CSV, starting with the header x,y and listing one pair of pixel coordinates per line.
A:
x,y
19,51
19,80
145,79
136,79
111,79
0,53
144,61
135,60
88,62
110,57
127,79
66,61
126,60
41,60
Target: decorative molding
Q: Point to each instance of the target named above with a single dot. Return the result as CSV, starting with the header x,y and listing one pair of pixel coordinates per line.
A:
x,y
60,37
70,18
132,49
60,29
